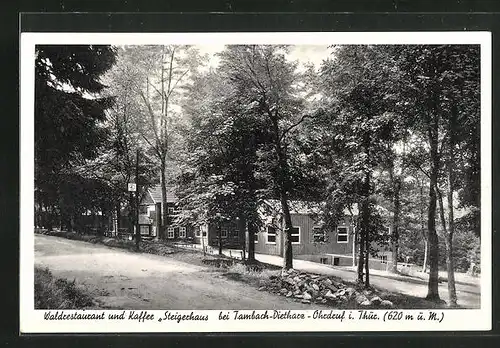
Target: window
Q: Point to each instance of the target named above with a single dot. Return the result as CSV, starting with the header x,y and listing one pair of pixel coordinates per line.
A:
x,y
256,237
319,235
383,259
235,234
342,234
170,210
204,233
223,233
271,235
197,231
295,235
182,232
143,209
170,232
145,230
387,235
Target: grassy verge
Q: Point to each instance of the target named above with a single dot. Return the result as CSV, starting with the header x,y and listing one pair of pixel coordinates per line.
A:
x,y
53,293
111,242
151,247
155,247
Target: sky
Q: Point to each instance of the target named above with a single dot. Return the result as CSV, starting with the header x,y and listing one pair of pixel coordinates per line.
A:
x,y
302,53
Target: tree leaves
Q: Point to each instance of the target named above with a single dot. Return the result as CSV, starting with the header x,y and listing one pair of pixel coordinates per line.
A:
x,y
69,114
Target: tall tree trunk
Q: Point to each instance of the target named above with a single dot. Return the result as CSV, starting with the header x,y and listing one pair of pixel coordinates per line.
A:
x,y
282,181
219,233
243,238
163,182
50,217
365,221
251,241
72,222
131,208
118,218
449,257
367,261
452,293
137,228
366,227
426,253
354,245
433,290
361,256
422,227
395,225
287,233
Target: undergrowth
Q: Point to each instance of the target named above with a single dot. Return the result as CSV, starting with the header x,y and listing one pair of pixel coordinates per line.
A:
x,y
53,293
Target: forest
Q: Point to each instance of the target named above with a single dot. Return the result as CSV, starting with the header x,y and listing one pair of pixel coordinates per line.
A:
x,y
392,128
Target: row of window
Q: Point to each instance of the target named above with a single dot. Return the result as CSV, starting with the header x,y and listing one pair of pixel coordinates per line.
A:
x,y
224,233
181,232
271,235
143,209
319,235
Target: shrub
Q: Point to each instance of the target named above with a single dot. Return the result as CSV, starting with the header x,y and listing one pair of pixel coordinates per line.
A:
x,y
251,273
52,293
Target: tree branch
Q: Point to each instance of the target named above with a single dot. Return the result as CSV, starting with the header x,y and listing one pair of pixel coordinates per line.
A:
x,y
420,168
152,146
293,126
151,114
176,82
154,87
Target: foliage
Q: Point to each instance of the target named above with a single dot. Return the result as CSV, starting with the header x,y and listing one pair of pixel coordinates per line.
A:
x,y
68,111
157,81
52,293
69,116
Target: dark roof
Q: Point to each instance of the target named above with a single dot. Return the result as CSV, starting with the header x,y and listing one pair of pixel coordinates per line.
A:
x,y
155,194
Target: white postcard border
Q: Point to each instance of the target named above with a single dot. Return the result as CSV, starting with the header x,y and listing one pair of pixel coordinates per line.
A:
x,y
32,321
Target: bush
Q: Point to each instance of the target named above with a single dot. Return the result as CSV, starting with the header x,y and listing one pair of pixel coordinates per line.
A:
x,y
250,273
52,293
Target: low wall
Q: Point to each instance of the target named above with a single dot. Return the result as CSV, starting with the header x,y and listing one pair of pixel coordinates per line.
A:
x,y
337,260
343,260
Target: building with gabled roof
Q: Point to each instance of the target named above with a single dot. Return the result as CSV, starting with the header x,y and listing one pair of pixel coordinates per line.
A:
x,y
311,239
151,215
154,195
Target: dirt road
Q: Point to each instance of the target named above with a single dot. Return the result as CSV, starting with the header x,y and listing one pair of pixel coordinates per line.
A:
x,y
126,280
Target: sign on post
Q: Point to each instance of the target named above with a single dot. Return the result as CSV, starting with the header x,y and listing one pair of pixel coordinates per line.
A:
x,y
132,187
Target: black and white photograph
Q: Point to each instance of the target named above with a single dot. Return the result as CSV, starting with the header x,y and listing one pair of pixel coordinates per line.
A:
x,y
263,177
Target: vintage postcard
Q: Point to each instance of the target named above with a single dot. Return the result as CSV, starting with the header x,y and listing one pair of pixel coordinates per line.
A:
x,y
255,182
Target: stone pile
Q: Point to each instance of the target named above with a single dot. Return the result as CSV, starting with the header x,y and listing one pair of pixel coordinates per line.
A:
x,y
313,288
